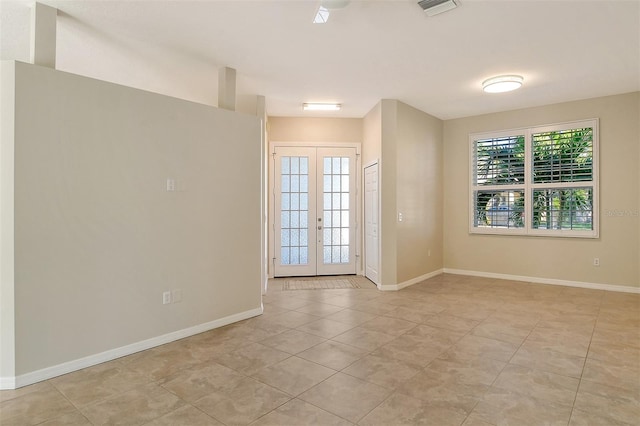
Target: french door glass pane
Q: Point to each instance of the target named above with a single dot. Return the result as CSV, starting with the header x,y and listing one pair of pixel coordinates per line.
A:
x,y
336,210
294,229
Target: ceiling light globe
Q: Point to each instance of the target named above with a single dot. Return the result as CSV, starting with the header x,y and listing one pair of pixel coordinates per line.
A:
x,y
503,83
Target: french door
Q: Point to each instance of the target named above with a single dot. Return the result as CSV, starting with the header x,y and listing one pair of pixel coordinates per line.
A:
x,y
314,211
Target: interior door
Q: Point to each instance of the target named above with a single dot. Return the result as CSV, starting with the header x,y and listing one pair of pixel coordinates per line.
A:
x,y
371,220
314,211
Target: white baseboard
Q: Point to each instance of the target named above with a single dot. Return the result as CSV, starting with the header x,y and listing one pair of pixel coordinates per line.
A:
x,y
7,383
551,281
91,360
412,281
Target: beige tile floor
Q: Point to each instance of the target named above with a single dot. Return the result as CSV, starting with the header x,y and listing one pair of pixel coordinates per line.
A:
x,y
452,350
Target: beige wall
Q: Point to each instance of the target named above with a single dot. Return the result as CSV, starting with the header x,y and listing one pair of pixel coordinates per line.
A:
x,y
568,259
300,129
408,143
7,308
372,135
388,199
418,193
98,239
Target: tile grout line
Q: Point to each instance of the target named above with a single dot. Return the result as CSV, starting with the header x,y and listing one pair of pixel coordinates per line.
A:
x,y
586,355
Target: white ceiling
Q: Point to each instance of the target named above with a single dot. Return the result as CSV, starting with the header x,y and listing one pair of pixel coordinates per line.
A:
x,y
370,50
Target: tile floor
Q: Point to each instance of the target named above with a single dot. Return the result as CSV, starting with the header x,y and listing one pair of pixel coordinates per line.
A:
x,y
452,350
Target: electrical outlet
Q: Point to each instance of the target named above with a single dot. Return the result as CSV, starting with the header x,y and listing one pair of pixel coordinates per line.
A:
x,y
596,261
166,297
176,296
429,253
400,217
171,184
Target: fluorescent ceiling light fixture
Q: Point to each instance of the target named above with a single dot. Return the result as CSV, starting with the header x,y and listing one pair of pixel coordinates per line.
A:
x,y
321,107
322,15
502,83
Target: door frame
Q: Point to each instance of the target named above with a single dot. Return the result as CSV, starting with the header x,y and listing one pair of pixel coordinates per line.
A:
x,y
271,195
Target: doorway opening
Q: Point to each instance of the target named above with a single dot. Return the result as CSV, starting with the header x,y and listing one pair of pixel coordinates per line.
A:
x,y
314,209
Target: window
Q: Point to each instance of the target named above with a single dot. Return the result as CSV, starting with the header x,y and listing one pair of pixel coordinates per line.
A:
x,y
535,181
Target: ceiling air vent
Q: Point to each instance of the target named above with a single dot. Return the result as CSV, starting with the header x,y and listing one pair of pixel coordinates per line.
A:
x,y
434,7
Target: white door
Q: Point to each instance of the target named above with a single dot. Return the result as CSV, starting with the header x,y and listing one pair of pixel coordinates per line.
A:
x,y
371,229
314,211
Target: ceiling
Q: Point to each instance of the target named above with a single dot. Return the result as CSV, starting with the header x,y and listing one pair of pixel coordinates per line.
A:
x,y
370,50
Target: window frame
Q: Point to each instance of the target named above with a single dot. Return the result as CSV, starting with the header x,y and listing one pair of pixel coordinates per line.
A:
x,y
528,187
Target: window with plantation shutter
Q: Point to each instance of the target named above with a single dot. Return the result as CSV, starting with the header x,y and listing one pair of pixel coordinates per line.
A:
x,y
499,176
535,181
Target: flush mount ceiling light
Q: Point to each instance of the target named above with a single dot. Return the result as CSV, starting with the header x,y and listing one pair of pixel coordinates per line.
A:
x,y
502,83
321,107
